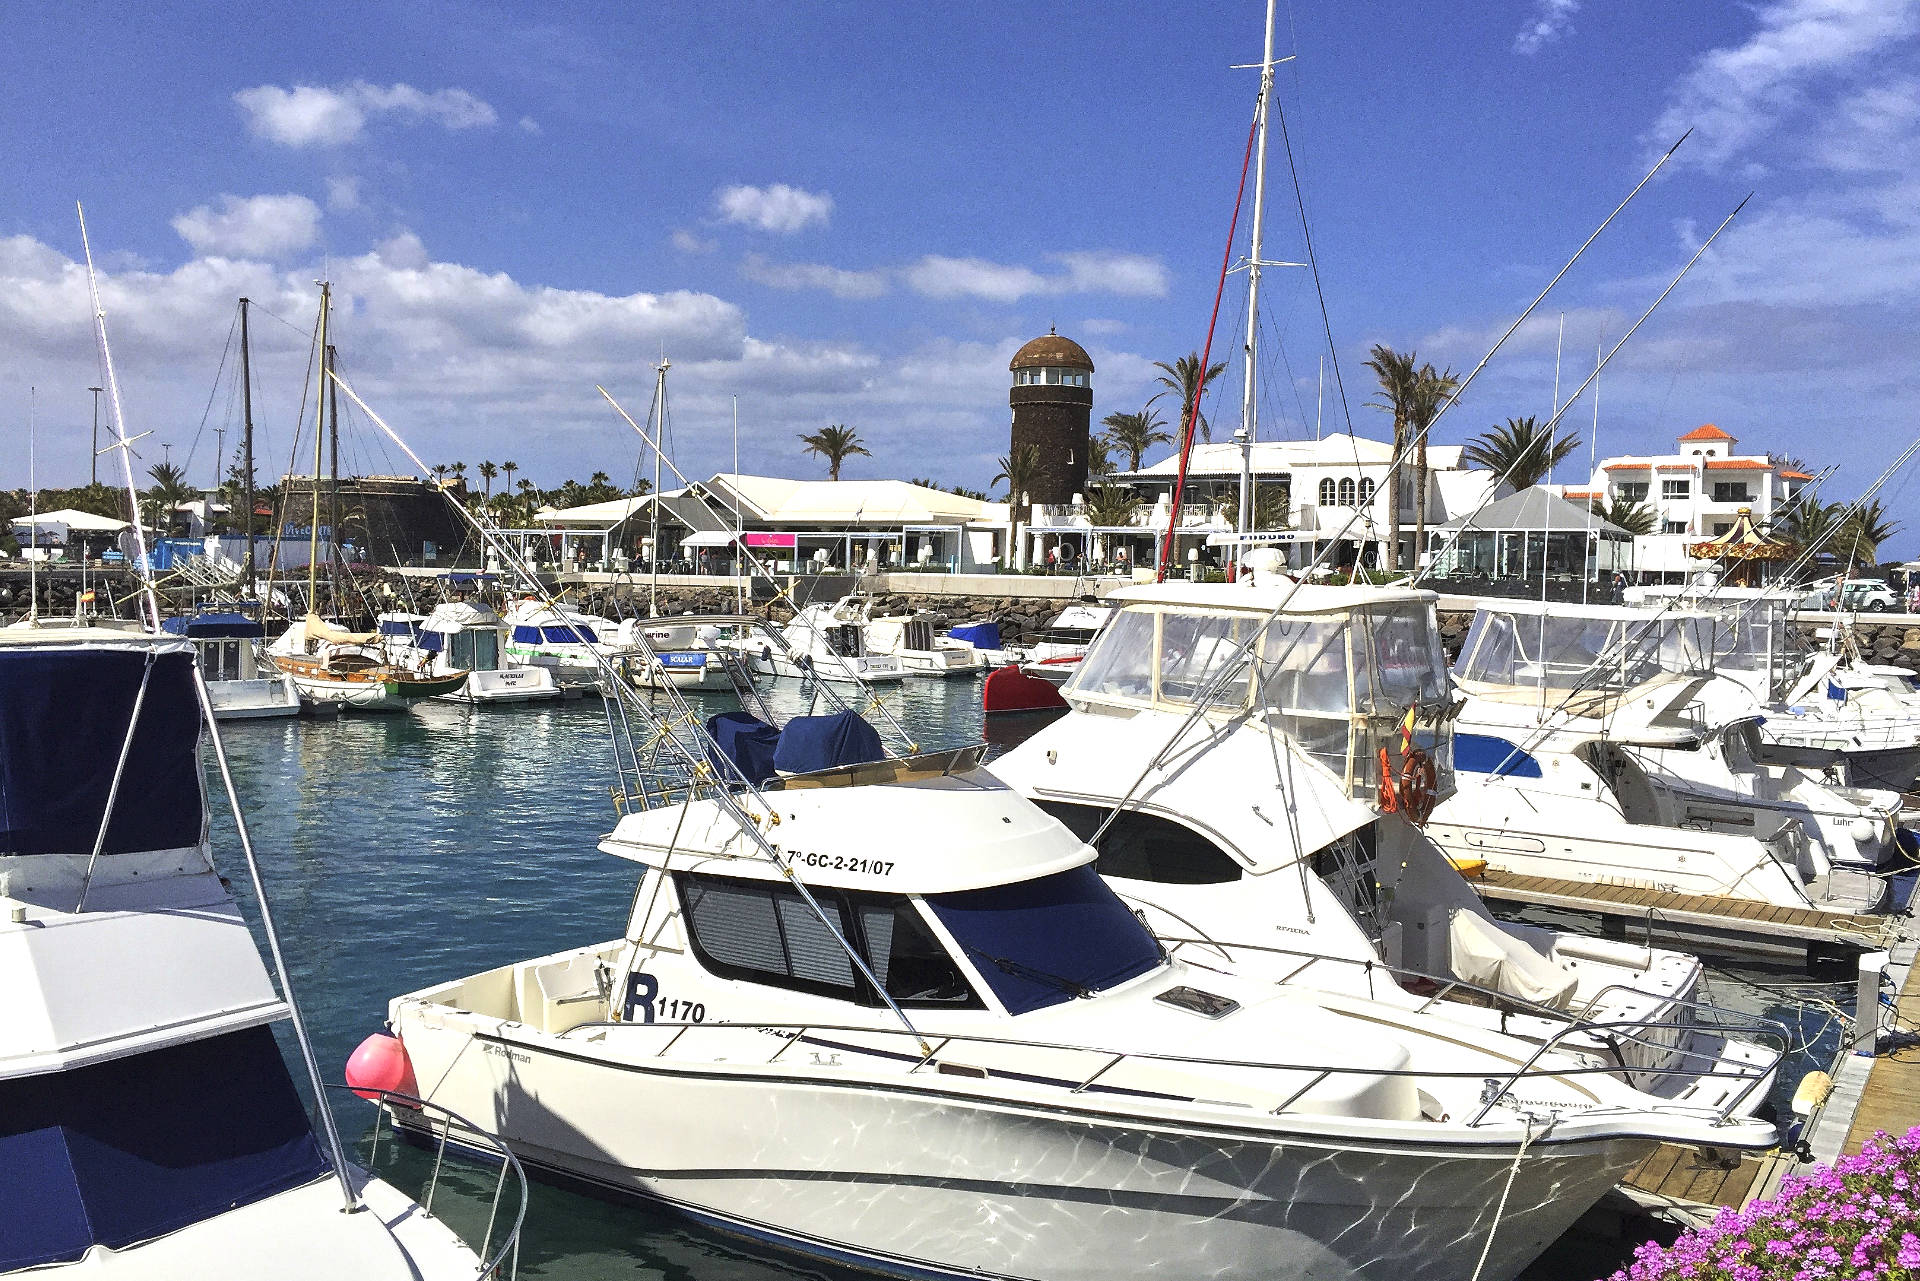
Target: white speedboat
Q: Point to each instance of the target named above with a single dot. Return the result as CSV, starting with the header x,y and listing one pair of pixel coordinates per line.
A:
x,y
1225,752
984,639
1055,651
228,645
465,636
823,642
910,1028
911,639
149,1126
684,652
1587,751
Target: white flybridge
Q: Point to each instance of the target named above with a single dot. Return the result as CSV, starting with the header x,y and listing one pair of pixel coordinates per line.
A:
x,y
571,645
1225,755
911,639
466,636
148,1124
1596,744
960,1054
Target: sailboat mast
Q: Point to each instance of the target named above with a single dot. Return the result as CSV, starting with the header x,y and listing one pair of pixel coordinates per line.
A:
x,y
246,418
659,443
333,475
319,440
33,515
1247,421
739,585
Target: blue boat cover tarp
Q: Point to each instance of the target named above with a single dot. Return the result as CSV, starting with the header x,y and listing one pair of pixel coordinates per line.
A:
x,y
215,626
430,641
744,739
809,743
128,1150
165,553
63,717
978,635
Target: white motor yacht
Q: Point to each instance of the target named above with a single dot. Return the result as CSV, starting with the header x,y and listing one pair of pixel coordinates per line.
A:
x,y
229,645
149,1126
888,1014
1054,652
823,642
685,652
1224,752
1597,745
466,636
911,639
566,642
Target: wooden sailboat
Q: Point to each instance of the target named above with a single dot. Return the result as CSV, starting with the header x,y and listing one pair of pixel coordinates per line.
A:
x,y
329,664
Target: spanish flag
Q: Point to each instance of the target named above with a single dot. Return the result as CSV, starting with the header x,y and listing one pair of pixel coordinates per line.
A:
x,y
1406,729
86,597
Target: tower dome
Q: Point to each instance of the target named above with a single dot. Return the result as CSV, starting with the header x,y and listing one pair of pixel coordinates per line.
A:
x,y
1052,402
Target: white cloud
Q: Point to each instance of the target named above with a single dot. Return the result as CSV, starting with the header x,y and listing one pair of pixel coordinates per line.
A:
x,y
1086,272
254,227
688,242
1551,20
317,116
778,208
1101,327
937,276
1735,96
343,194
528,125
838,281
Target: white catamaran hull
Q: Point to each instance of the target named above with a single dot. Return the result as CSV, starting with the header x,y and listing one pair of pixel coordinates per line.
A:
x,y
930,1180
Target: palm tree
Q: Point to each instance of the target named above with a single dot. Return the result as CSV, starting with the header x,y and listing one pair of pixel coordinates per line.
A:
x,y
1100,463
1018,469
1134,434
529,499
1111,505
1183,376
509,469
1635,518
1270,508
1519,452
440,474
170,489
1864,531
836,444
487,472
459,470
1807,521
1431,391
1399,377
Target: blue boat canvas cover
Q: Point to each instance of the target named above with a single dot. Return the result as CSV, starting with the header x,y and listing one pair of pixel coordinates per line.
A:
x,y
64,713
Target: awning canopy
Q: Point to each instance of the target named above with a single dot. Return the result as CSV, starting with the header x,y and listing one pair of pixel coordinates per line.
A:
x,y
70,518
709,538
1536,510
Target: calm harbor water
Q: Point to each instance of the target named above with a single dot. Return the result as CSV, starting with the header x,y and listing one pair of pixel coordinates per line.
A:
x,y
406,850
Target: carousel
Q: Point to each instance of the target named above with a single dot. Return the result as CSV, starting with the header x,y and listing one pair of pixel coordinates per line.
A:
x,y
1742,550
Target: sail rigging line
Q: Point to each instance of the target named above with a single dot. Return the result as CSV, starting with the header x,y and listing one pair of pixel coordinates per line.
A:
x,y
700,768
780,593
186,468
283,501
1313,260
150,597
1206,355
1242,655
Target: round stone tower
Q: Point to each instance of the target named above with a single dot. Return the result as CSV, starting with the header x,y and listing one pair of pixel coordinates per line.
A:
x,y
1052,400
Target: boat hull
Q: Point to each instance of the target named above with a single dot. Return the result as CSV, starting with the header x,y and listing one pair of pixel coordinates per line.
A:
x,y
933,1181
256,699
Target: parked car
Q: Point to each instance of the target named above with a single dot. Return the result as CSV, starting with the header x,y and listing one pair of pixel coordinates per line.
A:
x,y
1869,594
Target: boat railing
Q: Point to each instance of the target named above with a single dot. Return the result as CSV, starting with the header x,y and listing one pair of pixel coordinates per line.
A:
x,y
1707,1014
499,1246
927,1050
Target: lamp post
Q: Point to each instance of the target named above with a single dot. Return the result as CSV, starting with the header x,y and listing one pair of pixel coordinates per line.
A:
x,y
94,469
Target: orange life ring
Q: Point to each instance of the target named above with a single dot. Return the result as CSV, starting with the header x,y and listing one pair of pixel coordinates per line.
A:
x,y
1419,787
1389,796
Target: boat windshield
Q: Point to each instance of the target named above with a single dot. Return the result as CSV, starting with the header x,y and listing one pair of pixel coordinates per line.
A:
x,y
1040,942
1586,652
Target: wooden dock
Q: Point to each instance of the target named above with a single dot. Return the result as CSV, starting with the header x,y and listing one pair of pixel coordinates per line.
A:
x,y
1734,920
1870,1093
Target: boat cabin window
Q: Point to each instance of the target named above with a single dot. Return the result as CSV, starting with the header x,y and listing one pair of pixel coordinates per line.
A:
x,y
1041,942
1193,650
762,932
1587,652
399,628
1147,847
1121,661
572,634
476,650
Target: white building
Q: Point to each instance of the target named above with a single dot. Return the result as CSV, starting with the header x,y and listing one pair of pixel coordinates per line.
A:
x,y
1335,487
1695,493
789,525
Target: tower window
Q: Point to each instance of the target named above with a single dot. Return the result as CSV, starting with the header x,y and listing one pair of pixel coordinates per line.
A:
x,y
1326,492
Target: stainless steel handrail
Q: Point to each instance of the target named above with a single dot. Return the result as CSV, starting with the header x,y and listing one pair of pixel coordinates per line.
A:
x,y
505,1260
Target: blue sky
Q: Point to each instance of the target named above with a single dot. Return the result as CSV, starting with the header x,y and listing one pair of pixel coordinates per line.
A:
x,y
855,213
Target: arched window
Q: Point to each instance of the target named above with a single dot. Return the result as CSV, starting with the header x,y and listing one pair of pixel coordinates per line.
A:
x,y
1366,489
1326,492
1346,492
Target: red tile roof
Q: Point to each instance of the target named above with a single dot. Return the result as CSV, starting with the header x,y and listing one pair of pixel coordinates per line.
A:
x,y
1739,464
1794,475
1707,432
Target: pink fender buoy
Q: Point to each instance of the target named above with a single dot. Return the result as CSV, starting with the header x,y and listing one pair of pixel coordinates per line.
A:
x,y
380,1066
